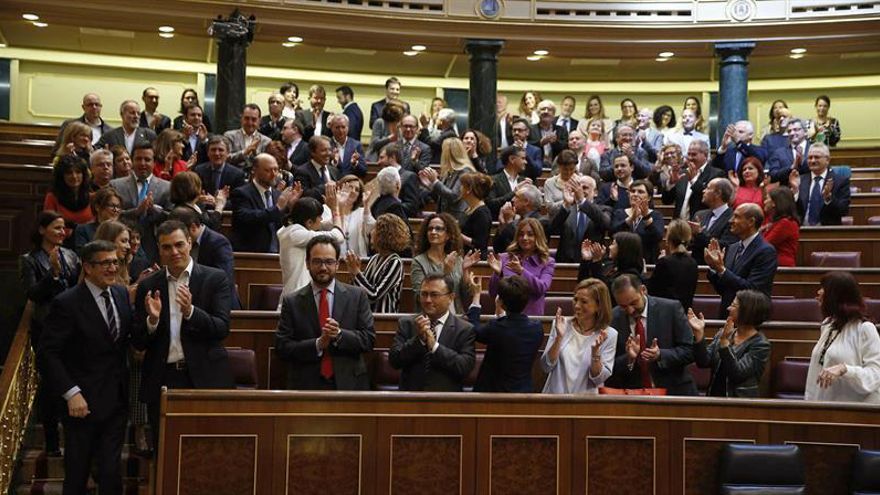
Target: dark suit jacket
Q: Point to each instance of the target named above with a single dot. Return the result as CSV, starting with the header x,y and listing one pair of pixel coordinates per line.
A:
x,y
651,235
442,371
231,176
298,330
773,141
534,162
641,164
695,202
727,161
40,287
253,225
743,367
780,162
572,124
377,107
164,123
201,336
556,147
833,212
512,344
201,149
565,225
435,142
425,156
352,146
387,203
603,197
720,230
410,193
309,124
754,269
501,192
312,185
355,120
215,250
76,349
270,127
117,137
300,155
666,323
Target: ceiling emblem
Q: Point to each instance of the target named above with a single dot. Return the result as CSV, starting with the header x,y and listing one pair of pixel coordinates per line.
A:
x,y
741,10
489,9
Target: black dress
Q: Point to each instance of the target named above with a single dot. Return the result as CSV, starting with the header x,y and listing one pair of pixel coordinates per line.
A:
x,y
477,226
675,277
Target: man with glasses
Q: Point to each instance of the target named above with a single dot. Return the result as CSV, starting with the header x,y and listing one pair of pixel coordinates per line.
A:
x,y
101,168
414,154
91,105
534,156
181,319
325,327
434,350
82,353
547,134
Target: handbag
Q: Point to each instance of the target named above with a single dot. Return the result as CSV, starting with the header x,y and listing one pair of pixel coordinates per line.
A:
x,y
631,391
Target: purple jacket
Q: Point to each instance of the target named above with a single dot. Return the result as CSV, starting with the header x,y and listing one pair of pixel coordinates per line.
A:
x,y
538,275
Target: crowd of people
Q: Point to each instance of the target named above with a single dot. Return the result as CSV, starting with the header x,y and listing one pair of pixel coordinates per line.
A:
x,y
146,300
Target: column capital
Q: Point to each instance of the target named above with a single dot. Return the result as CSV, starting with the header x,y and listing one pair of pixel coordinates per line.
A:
x,y
737,50
483,49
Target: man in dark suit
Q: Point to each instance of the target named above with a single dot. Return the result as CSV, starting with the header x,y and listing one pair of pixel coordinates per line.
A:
x,y
526,203
615,195
91,105
534,155
297,148
392,92
129,134
326,327
181,320
388,189
314,175
736,145
505,182
547,135
749,263
270,124
792,156
195,133
345,97
687,191
257,209
216,173
654,341
565,119
822,196
315,118
434,350
578,219
503,122
713,223
82,354
445,129
624,136
414,154
411,195
347,154
150,117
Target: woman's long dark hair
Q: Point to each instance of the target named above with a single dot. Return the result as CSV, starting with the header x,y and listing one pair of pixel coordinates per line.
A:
x,y
842,301
784,204
629,253
44,219
73,201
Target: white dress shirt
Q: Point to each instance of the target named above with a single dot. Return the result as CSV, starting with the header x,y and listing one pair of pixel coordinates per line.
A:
x,y
175,316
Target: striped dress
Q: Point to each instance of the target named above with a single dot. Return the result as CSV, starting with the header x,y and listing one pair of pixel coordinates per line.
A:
x,y
383,280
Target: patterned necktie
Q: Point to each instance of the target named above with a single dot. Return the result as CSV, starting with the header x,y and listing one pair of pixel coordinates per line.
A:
x,y
111,318
739,252
815,204
647,382
268,195
323,316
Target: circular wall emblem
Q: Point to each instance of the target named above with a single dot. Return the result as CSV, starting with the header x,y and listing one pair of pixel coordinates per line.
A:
x,y
741,10
489,9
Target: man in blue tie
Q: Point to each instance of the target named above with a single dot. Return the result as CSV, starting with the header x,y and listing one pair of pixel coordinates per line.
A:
x,y
258,208
822,196
749,263
713,224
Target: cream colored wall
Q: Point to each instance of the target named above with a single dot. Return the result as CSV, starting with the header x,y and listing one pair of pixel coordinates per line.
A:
x,y
47,87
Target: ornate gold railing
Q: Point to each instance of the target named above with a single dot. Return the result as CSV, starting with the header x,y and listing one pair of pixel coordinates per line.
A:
x,y
18,386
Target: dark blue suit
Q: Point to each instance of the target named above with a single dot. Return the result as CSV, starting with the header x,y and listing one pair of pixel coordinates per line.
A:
x,y
651,235
351,147
215,250
253,225
831,213
604,196
754,269
231,176
773,141
512,344
780,162
727,161
355,120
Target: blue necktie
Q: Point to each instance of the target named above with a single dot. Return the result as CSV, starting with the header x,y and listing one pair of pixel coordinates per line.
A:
x,y
144,190
815,202
216,175
581,225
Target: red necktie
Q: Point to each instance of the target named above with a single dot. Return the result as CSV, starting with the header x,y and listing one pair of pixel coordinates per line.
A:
x,y
643,365
323,316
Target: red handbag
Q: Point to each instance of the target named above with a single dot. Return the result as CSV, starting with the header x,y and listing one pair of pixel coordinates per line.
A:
x,y
631,391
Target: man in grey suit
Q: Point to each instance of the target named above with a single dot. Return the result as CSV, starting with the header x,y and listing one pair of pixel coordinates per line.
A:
x,y
129,134
713,223
434,350
654,342
325,327
414,154
246,142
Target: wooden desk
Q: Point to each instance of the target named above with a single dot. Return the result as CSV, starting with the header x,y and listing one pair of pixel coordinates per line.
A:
x,y
242,442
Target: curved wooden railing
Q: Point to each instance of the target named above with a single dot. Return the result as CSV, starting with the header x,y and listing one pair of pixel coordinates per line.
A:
x,y
18,387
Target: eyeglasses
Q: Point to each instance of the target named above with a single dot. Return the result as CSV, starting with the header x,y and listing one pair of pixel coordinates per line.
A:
x,y
105,263
116,207
316,262
435,228
432,295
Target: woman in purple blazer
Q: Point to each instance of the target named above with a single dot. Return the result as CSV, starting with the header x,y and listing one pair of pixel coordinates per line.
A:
x,y
529,257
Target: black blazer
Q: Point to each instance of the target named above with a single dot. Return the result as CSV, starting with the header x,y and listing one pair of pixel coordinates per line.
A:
x,y
755,269
215,250
695,202
298,330
410,193
117,136
512,344
388,204
231,176
312,185
442,371
556,147
565,224
720,230
40,286
501,192
355,120
675,277
300,155
666,323
164,123
271,128
833,212
253,225
201,336
742,368
651,235
77,349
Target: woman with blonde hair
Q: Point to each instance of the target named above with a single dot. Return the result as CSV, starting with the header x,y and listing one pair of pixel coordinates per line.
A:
x,y
76,140
446,189
169,155
529,257
528,106
579,355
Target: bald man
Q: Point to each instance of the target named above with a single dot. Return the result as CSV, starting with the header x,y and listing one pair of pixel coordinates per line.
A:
x,y
91,105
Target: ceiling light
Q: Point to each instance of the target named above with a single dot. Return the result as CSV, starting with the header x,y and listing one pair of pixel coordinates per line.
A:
x,y
2,45
294,39
798,51
665,54
418,48
796,55
40,24
533,58
288,44
166,35
30,17
166,29
410,53
541,53
661,59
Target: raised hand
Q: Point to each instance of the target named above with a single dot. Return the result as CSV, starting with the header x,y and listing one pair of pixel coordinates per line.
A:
x,y
450,261
353,261
153,305
826,190
698,325
55,261
597,344
494,263
330,195
193,159
794,180
184,299
514,264
728,331
221,198
632,347
146,204
560,324
507,213
470,259
428,176
615,192
568,195
587,250
731,176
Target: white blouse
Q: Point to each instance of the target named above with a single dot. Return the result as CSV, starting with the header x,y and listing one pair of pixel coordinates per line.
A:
x,y
570,374
292,242
857,346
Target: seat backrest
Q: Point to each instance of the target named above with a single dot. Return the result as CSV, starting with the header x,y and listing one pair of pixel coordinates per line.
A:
x,y
795,310
243,365
268,300
839,259
873,306
385,377
747,468
554,302
702,376
842,171
471,379
791,379
866,472
708,306
875,220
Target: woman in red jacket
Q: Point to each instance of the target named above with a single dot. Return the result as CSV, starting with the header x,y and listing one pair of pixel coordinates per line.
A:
x,y
782,226
69,194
